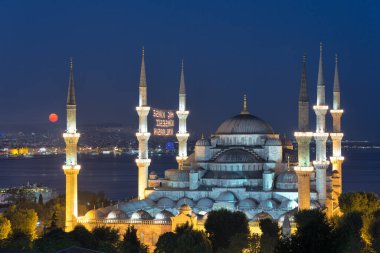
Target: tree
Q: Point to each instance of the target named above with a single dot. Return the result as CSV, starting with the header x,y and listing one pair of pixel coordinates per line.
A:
x,y
270,235
23,221
54,240
184,240
84,237
348,233
131,244
365,202
314,232
217,222
166,243
5,227
107,238
189,240
374,231
253,243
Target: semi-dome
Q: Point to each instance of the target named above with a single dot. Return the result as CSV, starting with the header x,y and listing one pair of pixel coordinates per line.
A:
x,y
94,214
165,202
117,214
288,204
205,204
262,216
268,204
244,124
141,215
163,215
247,204
237,156
226,196
287,180
184,200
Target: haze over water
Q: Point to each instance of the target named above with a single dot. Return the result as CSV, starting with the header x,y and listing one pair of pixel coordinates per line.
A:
x,y
117,175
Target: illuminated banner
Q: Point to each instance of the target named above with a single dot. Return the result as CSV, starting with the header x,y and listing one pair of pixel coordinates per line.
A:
x,y
163,122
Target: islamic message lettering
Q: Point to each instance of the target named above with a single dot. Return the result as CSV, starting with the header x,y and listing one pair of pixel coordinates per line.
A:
x,y
163,122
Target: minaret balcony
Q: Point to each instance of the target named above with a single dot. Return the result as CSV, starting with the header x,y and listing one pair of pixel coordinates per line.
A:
x,y
143,111
182,136
336,111
71,167
71,135
320,109
303,134
321,164
142,162
334,159
304,168
336,136
182,114
143,136
321,136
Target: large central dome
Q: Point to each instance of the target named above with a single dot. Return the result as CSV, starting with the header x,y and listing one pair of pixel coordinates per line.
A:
x,y
244,124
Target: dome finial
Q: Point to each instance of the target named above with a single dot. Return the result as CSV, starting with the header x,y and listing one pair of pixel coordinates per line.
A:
x,y
245,105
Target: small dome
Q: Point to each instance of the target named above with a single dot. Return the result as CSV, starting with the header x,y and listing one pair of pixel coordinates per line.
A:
x,y
237,156
244,124
205,204
117,214
287,180
288,204
163,215
185,209
141,215
226,196
247,204
268,204
153,175
184,200
165,202
203,142
94,214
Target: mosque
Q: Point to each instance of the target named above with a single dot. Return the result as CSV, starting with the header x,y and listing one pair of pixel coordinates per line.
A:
x,y
243,166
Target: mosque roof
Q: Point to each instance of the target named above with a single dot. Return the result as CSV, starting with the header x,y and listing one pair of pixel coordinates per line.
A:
x,y
117,214
141,215
246,204
244,124
237,156
287,180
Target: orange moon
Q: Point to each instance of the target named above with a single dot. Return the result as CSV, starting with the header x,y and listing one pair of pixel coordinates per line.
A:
x,y
53,117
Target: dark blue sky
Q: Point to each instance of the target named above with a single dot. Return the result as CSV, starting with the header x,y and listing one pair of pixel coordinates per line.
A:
x,y
229,48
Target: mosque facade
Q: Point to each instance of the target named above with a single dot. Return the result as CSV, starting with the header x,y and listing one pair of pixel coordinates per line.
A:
x,y
243,166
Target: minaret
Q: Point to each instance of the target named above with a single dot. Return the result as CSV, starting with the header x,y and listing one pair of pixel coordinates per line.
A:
x,y
303,137
321,163
143,135
336,136
182,114
71,168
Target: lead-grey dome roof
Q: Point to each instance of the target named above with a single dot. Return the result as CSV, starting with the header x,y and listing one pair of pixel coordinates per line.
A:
x,y
237,156
287,180
226,196
244,124
203,142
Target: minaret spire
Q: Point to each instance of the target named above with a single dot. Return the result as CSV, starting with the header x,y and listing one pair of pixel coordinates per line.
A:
x,y
142,71
182,87
321,79
71,89
182,114
303,96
